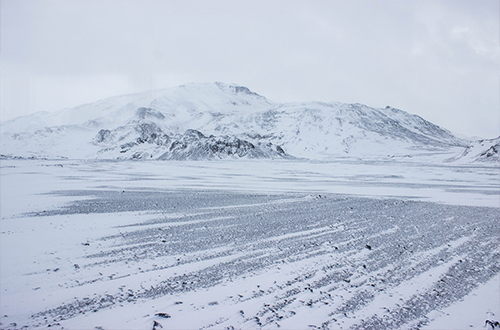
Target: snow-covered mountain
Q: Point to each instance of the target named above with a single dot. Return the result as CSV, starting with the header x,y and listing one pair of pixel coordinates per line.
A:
x,y
216,120
480,151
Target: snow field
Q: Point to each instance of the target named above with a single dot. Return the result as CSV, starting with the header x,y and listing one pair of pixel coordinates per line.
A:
x,y
111,245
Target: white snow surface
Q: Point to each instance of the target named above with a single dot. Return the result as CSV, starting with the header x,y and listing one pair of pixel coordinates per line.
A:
x,y
480,151
314,130
248,244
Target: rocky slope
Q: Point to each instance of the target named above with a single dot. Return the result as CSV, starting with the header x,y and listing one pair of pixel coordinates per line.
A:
x,y
147,140
480,151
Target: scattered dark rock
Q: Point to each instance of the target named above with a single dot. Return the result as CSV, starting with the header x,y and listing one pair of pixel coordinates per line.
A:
x,y
492,324
156,325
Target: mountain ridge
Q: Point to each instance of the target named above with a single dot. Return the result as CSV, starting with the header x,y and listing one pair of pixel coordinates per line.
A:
x,y
316,130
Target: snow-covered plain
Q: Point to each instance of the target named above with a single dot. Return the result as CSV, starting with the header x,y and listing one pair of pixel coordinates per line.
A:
x,y
248,244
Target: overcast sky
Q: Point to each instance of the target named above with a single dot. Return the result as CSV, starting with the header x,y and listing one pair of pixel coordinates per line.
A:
x,y
437,59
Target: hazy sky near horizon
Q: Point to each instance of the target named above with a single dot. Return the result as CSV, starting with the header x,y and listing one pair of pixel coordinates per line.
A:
x,y
438,59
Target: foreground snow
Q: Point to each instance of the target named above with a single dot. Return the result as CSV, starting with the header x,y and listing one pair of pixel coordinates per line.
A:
x,y
295,245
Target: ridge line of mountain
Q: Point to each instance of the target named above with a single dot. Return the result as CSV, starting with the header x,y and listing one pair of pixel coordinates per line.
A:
x,y
225,114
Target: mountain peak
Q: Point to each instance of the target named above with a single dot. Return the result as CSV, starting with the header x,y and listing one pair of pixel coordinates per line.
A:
x,y
218,86
237,89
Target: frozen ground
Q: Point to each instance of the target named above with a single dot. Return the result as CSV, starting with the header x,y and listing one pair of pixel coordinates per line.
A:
x,y
248,244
